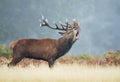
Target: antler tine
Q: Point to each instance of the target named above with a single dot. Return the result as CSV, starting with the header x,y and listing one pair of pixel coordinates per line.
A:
x,y
63,26
44,22
67,26
66,22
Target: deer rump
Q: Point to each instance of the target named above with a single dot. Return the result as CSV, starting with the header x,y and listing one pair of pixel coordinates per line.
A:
x,y
44,49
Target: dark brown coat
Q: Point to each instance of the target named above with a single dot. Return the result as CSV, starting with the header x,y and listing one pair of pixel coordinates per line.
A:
x,y
43,49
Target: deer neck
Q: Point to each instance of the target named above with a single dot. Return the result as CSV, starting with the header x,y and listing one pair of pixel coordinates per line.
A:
x,y
63,46
64,43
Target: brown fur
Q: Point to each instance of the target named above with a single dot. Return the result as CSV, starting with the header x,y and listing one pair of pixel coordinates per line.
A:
x,y
44,49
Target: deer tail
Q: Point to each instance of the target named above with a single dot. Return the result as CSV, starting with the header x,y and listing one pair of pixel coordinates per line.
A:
x,y
12,44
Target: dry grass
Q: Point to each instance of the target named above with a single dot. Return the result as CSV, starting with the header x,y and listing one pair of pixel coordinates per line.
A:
x,y
60,73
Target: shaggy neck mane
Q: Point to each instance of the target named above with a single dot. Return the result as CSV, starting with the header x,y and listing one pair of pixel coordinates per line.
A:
x,y
64,46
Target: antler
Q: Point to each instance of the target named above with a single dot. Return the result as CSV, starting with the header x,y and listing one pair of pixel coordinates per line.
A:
x,y
44,22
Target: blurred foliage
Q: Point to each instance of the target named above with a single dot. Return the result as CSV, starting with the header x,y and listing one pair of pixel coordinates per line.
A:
x,y
85,56
5,51
112,57
113,54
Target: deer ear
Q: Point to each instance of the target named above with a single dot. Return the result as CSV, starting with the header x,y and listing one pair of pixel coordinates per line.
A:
x,y
61,33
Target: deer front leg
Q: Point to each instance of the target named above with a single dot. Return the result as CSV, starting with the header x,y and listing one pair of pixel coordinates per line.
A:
x,y
51,63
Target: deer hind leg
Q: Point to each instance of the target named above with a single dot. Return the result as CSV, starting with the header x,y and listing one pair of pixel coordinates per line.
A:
x,y
15,60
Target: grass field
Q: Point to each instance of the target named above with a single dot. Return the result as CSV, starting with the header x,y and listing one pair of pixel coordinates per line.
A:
x,y
81,68
60,73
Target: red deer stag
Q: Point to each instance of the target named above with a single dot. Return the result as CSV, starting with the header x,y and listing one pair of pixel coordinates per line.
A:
x,y
46,49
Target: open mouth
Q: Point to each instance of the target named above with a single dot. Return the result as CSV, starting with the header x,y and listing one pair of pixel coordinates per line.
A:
x,y
77,35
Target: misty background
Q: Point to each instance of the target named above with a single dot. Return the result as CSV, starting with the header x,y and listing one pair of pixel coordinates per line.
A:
x,y
99,21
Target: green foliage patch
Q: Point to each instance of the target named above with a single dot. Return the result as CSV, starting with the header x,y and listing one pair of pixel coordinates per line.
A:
x,y
5,51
